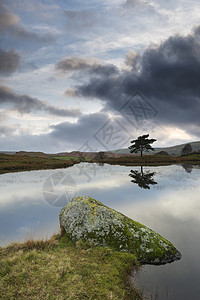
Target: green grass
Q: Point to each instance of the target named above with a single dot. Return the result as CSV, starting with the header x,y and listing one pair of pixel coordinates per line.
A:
x,y
69,158
152,160
39,161
73,158
60,269
27,162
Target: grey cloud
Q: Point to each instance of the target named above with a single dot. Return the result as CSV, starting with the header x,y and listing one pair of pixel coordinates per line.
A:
x,y
145,9
133,3
140,4
18,31
107,25
71,136
27,104
197,31
81,131
76,63
92,65
9,61
70,93
10,25
168,75
6,130
132,60
28,142
64,136
104,70
96,131
6,18
80,19
32,6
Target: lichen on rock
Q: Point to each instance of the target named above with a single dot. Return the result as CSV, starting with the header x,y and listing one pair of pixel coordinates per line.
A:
x,y
88,219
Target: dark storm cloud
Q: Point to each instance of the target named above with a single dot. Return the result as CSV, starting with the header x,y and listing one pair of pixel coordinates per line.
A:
x,y
27,104
9,61
168,75
104,70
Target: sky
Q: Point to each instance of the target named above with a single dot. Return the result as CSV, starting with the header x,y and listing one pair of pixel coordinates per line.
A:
x,y
93,75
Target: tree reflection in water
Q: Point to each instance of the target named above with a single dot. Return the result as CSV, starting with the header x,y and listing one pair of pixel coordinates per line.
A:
x,y
187,167
142,179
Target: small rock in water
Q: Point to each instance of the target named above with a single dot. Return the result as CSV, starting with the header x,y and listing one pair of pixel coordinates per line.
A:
x,y
88,219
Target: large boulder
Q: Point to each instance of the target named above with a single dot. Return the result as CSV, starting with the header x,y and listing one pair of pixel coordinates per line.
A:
x,y
88,219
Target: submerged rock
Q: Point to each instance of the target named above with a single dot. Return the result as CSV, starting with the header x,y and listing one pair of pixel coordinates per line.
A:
x,y
88,219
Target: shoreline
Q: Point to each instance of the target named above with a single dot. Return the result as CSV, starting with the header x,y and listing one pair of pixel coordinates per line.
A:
x,y
20,163
15,254
69,271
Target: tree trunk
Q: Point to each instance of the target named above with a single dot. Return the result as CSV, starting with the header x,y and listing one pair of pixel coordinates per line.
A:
x,y
142,171
141,153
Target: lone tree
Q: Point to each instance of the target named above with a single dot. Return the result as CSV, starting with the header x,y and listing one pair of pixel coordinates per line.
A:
x,y
142,144
187,149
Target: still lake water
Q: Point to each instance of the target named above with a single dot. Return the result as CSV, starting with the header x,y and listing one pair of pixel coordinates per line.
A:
x,y
30,203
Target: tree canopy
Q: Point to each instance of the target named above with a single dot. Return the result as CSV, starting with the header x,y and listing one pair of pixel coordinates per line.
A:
x,y
142,143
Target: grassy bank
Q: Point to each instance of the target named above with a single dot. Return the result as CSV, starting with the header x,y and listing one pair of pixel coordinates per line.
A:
x,y
37,161
60,269
152,160
17,163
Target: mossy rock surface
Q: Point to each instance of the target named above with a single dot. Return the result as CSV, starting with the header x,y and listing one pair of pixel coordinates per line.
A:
x,y
88,219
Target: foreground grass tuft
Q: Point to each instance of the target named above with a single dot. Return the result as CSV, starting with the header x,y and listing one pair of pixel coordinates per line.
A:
x,y
60,269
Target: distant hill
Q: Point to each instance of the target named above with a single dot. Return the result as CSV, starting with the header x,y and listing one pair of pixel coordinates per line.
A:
x,y
33,154
8,152
174,150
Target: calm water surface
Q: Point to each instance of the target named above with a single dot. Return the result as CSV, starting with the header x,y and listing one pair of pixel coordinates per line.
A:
x,y
30,203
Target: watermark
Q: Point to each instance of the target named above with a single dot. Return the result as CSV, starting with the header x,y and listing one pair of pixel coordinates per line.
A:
x,y
59,188
115,133
112,135
86,147
136,109
88,170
